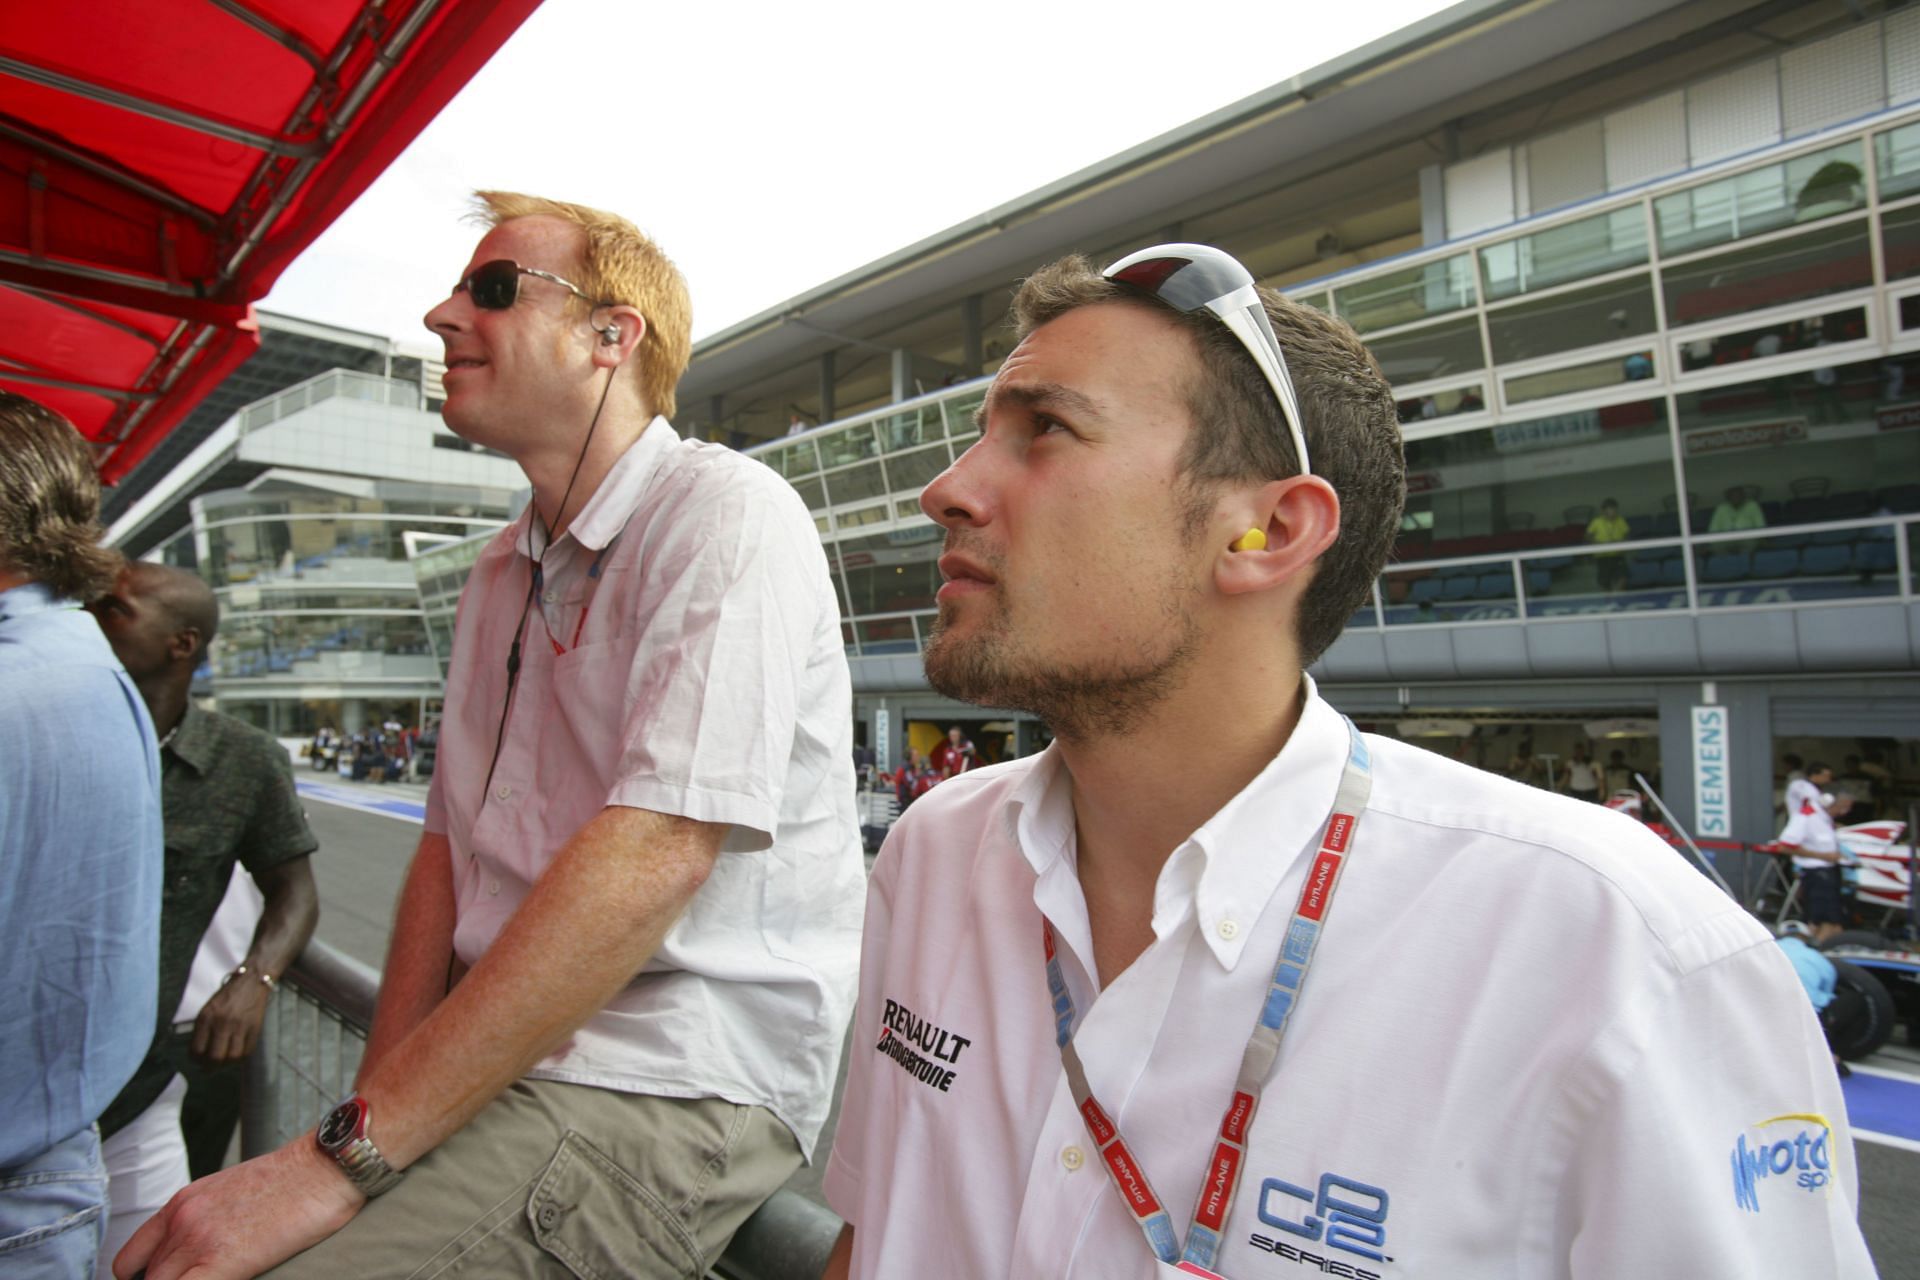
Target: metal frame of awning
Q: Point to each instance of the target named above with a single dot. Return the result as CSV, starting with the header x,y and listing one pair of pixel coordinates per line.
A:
x,y
110,240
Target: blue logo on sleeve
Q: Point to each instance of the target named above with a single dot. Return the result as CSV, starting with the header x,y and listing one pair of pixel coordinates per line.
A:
x,y
1793,1149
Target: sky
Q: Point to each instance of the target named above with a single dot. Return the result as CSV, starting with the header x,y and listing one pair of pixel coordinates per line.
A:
x,y
769,147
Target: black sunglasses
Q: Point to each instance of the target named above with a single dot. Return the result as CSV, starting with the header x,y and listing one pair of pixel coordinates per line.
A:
x,y
495,286
1199,277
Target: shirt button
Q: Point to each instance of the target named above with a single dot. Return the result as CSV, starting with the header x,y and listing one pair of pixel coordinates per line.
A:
x,y
551,596
1073,1158
503,791
1228,930
548,1216
493,886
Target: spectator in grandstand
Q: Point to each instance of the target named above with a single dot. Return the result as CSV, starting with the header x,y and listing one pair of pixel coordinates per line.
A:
x,y
1738,510
623,961
1065,955
1810,833
1619,774
955,754
227,799
1609,526
80,851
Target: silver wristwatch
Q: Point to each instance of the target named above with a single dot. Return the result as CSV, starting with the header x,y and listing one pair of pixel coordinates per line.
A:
x,y
343,1135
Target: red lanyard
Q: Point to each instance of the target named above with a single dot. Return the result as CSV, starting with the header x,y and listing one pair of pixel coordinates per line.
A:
x,y
1256,1063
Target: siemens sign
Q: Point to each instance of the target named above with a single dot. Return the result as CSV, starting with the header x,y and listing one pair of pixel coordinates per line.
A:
x,y
1712,787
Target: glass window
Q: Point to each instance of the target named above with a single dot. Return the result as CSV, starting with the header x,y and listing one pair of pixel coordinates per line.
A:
x,y
888,635
1910,311
855,483
848,445
1900,241
1774,339
911,428
1839,443
1840,564
1563,254
1317,300
318,552
1632,367
1568,321
813,492
913,470
320,647
1761,200
1442,404
875,514
1829,260
1525,486
884,577
1418,355
1480,592
1897,153
793,460
1412,293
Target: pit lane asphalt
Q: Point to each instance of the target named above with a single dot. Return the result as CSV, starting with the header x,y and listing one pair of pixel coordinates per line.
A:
x,y
367,836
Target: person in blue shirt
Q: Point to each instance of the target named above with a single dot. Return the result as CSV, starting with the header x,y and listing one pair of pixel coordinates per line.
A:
x,y
80,852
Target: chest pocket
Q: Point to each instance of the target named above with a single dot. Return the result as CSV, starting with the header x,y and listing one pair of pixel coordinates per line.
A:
x,y
202,834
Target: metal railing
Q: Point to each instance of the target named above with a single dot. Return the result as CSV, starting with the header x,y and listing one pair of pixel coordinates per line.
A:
x,y
335,384
310,1046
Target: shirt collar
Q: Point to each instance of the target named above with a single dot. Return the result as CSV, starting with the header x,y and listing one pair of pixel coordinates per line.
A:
x,y
194,739
28,598
1226,872
607,511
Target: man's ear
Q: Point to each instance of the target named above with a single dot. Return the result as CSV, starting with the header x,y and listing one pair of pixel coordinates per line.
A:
x,y
1299,518
183,643
624,325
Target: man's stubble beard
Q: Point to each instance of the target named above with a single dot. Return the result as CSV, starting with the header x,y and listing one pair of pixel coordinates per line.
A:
x,y
1078,701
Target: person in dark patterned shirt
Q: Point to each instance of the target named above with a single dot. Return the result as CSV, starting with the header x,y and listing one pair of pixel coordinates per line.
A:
x,y
227,796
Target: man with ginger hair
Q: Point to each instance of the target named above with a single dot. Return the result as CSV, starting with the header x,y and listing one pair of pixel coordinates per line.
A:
x,y
623,960
80,852
1214,940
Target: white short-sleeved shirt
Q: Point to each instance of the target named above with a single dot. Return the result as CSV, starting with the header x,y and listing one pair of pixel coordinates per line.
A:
x,y
1809,825
1533,1043
708,681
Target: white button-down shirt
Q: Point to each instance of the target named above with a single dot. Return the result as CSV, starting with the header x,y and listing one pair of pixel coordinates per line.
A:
x,y
1532,1043
708,681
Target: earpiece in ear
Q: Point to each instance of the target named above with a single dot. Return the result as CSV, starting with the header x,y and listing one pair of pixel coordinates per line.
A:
x,y
1251,540
610,336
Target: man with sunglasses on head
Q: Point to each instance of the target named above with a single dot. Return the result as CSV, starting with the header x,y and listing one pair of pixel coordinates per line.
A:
x,y
623,960
1219,985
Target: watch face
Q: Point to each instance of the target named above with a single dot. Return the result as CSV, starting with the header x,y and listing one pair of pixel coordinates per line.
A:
x,y
340,1125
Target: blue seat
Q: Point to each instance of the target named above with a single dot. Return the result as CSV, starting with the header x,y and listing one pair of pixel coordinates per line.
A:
x,y
1639,527
1539,581
1551,563
1425,590
1643,571
1727,567
1831,537
1776,562
1790,540
1457,588
1666,525
1902,499
1494,586
1826,559
1876,556
1672,572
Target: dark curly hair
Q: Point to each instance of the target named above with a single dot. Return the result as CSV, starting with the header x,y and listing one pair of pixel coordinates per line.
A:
x,y
50,503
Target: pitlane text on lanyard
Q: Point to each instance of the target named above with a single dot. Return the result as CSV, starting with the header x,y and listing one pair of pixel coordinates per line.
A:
x,y
1263,1047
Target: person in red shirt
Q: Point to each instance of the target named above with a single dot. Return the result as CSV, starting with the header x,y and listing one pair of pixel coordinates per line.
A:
x,y
956,755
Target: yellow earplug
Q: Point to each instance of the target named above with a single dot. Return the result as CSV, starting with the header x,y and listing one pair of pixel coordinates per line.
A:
x,y
1251,540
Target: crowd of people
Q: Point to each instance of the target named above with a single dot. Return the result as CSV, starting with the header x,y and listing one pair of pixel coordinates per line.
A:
x,y
634,929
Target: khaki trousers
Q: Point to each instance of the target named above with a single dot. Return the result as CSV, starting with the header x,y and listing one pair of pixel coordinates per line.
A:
x,y
557,1180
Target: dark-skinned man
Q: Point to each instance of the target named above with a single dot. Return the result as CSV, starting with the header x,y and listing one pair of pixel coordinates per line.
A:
x,y
227,797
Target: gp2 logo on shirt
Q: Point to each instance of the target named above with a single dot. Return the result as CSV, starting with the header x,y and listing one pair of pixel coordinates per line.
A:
x,y
1343,1214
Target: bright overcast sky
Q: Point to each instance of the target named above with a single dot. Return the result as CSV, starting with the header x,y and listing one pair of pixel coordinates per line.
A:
x,y
772,147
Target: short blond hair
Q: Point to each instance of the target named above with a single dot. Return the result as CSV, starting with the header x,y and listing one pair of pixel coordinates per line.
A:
x,y
620,264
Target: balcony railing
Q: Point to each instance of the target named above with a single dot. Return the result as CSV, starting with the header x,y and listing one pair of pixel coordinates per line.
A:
x,y
335,384
310,1046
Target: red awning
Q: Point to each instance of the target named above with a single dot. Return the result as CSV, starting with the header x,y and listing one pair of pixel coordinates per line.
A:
x,y
162,161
